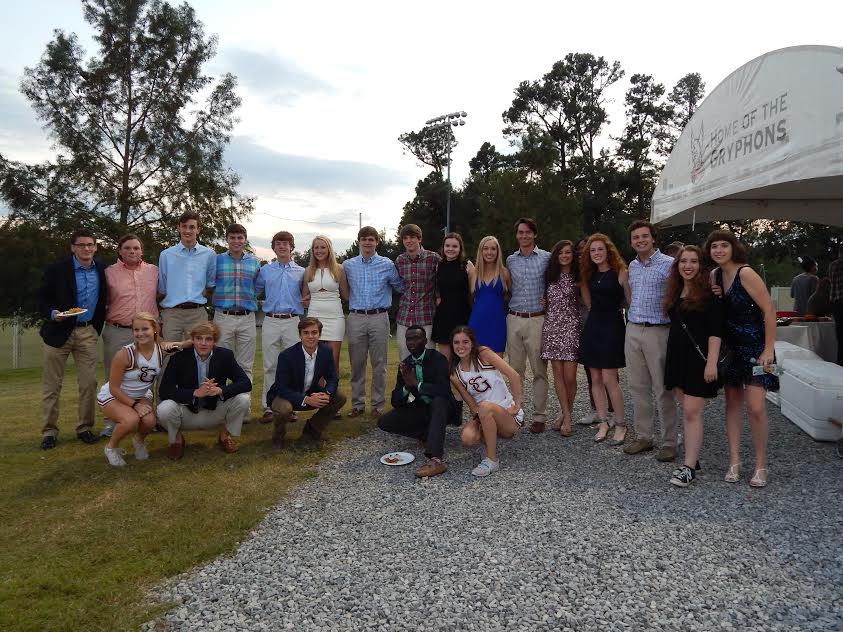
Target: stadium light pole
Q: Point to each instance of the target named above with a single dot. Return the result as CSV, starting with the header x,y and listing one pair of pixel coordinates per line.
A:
x,y
454,119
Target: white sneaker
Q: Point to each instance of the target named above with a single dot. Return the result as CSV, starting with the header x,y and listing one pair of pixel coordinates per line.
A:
x,y
114,456
107,428
587,419
486,467
141,453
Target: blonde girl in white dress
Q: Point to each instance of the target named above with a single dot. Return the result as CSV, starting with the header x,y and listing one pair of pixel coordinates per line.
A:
x,y
328,287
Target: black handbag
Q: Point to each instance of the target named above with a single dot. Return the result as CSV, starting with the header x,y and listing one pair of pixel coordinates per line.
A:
x,y
724,358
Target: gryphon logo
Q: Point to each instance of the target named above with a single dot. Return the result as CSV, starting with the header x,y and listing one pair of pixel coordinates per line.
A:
x,y
697,154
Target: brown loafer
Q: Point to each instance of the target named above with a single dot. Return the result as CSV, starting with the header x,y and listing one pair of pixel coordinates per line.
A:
x,y
376,412
356,412
637,446
175,451
434,467
266,417
537,427
666,454
227,443
293,418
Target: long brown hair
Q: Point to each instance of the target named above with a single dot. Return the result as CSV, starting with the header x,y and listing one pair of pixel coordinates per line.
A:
x,y
458,238
613,257
554,268
473,355
699,290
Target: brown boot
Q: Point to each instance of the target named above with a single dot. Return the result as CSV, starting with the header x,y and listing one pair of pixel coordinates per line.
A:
x,y
434,467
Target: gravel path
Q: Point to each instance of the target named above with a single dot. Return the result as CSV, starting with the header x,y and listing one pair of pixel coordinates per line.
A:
x,y
568,535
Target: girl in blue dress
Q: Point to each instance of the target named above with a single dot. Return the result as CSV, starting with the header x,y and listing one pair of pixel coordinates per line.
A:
x,y
489,283
750,331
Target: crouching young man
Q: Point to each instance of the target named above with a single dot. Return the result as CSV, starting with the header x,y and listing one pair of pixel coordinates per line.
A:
x,y
202,388
305,379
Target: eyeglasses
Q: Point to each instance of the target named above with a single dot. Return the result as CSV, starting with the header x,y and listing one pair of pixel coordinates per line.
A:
x,y
84,245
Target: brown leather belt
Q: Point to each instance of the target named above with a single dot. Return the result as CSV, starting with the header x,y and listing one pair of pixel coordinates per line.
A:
x,y
118,325
652,324
368,312
527,314
282,316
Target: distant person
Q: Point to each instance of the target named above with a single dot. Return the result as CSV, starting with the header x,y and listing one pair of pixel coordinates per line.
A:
x,y
803,285
305,379
126,398
417,269
371,281
422,404
525,318
132,288
286,296
819,303
673,248
489,285
328,288
203,388
77,281
835,297
453,303
186,274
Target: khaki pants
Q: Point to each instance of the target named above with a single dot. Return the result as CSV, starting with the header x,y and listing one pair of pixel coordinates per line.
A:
x,y
524,342
176,417
645,349
277,335
113,339
315,426
238,334
177,323
401,338
368,335
82,344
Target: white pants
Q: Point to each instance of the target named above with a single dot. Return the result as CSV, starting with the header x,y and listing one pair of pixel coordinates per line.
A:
x,y
238,333
401,339
278,335
175,417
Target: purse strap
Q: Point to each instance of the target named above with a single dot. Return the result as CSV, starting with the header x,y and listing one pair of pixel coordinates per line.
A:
x,y
688,332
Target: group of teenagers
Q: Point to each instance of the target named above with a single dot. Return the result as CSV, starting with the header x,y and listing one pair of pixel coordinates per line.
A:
x,y
663,318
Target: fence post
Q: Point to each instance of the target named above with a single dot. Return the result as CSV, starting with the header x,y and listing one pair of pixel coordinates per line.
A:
x,y
16,344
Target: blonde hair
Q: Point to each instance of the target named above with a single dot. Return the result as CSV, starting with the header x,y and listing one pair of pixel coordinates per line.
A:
x,y
206,328
148,317
330,263
497,265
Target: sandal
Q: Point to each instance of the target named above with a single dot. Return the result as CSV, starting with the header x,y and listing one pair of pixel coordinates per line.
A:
x,y
566,430
733,475
557,423
616,441
602,437
759,479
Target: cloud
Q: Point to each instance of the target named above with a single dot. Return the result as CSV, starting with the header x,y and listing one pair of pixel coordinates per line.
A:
x,y
278,80
20,134
267,172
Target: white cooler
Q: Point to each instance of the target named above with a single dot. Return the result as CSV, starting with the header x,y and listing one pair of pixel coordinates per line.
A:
x,y
786,351
811,392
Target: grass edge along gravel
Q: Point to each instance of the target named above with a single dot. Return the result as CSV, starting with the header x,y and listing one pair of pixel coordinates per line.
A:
x,y
86,543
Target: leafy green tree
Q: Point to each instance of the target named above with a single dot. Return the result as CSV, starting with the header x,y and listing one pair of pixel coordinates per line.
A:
x,y
430,146
685,97
135,148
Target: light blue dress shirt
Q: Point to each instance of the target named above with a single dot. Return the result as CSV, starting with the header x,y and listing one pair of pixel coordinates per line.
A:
x,y
281,284
87,289
371,282
527,273
202,367
184,273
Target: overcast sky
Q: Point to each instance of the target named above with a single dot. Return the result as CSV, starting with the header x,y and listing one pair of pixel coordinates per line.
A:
x,y
328,87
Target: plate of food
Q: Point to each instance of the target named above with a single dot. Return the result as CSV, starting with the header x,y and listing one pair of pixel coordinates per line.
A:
x,y
397,458
74,311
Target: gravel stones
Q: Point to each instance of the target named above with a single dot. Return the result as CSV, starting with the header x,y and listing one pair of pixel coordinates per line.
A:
x,y
569,535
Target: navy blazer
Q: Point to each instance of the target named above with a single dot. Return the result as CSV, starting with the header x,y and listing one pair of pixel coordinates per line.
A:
x,y
435,379
181,378
58,291
289,376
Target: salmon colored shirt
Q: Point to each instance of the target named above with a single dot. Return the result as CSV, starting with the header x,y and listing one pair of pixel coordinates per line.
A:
x,y
130,292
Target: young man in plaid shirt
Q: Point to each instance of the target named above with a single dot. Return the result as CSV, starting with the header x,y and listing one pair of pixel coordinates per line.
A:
x,y
417,269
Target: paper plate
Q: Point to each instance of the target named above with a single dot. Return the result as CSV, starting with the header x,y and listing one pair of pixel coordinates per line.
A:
x,y
397,458
84,311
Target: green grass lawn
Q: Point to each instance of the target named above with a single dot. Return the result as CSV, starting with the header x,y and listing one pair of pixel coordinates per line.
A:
x,y
84,542
31,354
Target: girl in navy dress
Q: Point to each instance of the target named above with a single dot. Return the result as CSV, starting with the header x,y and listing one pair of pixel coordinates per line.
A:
x,y
605,291
489,283
750,331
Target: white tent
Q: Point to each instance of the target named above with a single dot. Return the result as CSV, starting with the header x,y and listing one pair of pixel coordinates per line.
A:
x,y
766,143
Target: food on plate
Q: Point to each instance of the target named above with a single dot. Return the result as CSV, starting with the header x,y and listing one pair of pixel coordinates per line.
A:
x,y
392,459
74,310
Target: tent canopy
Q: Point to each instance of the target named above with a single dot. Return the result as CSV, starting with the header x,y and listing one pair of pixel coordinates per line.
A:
x,y
767,143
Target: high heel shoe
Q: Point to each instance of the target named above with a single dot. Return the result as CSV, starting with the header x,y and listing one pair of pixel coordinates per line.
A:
x,y
733,475
602,437
557,423
759,479
565,429
616,441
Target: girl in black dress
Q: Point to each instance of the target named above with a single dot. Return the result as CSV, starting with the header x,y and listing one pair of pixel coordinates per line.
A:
x,y
453,305
605,291
696,330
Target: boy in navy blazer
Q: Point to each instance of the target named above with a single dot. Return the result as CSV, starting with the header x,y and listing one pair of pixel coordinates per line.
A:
x,y
305,379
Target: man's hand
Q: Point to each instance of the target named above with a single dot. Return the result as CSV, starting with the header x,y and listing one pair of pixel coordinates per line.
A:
x,y
208,388
409,375
56,316
717,290
317,400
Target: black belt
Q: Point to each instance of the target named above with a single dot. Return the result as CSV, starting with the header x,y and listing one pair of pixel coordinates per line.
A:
x,y
235,312
527,314
652,324
87,323
368,312
118,325
187,306
282,316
